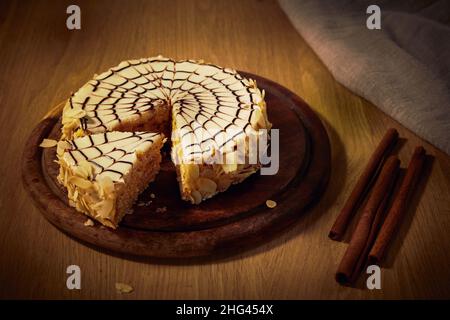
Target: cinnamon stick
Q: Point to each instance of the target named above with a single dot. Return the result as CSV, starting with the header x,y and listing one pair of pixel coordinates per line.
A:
x,y
359,241
374,229
363,184
399,206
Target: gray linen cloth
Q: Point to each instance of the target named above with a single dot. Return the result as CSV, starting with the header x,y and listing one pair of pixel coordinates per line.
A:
x,y
403,68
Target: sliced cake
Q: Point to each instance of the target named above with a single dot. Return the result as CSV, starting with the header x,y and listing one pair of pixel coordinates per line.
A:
x,y
104,173
214,114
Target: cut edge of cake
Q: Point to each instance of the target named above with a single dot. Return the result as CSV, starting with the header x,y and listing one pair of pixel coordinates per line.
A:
x,y
152,120
107,198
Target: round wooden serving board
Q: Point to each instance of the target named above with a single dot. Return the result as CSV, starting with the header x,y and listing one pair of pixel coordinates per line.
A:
x,y
237,218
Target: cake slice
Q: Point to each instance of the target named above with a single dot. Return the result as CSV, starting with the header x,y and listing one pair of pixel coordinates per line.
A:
x,y
104,173
218,118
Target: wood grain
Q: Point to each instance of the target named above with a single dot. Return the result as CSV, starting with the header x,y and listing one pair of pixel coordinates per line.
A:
x,y
42,62
229,222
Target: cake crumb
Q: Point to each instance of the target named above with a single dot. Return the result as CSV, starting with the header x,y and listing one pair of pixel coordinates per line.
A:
x,y
161,210
123,287
271,204
144,203
89,223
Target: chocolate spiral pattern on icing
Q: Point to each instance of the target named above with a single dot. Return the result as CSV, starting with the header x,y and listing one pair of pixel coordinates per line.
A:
x,y
110,153
211,105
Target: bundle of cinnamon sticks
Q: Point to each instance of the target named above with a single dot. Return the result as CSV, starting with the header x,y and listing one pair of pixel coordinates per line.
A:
x,y
378,223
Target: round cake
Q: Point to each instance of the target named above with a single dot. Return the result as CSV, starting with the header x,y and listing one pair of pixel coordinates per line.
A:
x,y
213,115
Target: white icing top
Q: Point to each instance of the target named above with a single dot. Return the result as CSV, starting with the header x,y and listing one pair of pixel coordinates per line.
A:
x,y
211,106
112,154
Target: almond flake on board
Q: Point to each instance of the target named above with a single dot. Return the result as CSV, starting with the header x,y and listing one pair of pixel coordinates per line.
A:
x,y
89,223
123,287
271,204
144,203
48,143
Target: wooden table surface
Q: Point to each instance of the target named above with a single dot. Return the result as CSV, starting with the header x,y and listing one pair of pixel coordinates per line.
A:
x,y
42,62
